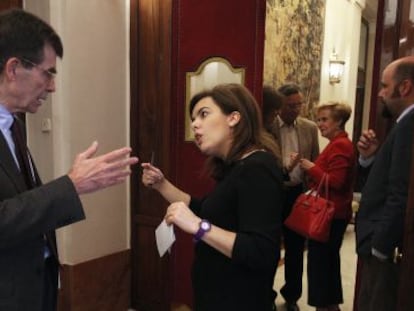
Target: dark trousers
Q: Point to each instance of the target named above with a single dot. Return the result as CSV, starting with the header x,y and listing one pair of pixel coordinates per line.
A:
x,y
294,245
324,268
50,285
379,284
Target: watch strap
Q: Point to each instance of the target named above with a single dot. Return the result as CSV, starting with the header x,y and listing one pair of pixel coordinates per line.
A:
x,y
204,227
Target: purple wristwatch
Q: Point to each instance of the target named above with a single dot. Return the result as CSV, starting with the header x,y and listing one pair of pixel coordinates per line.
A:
x,y
204,226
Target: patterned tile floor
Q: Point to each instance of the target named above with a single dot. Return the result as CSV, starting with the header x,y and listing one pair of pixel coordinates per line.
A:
x,y
348,267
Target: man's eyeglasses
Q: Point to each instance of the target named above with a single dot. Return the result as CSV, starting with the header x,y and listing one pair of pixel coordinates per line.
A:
x,y
50,74
294,106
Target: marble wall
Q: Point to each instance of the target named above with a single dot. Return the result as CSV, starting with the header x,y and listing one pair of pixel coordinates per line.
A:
x,y
293,46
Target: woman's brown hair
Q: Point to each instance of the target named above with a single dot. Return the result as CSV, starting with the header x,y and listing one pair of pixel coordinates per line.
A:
x,y
248,133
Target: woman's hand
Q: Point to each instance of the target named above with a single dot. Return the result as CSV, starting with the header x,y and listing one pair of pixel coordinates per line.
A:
x,y
180,215
294,159
305,164
151,175
154,178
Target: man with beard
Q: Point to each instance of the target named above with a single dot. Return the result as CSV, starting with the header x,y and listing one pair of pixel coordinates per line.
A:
x,y
380,219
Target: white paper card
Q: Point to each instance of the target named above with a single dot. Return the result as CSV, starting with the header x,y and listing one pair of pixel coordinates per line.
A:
x,y
164,234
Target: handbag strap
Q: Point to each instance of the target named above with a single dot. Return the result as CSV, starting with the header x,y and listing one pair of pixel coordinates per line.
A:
x,y
326,186
324,183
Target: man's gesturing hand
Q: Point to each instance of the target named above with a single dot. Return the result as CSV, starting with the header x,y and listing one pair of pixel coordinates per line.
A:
x,y
367,144
90,173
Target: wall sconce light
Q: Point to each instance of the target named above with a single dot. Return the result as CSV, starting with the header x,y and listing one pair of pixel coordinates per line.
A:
x,y
336,68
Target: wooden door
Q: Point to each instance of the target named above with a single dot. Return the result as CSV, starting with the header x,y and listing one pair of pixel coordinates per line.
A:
x,y
150,134
8,4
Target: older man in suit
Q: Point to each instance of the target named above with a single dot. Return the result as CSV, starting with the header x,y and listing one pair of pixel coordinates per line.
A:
x,y
29,211
380,218
299,137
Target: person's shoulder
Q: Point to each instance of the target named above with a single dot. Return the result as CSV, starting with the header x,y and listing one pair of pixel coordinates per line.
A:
x,y
257,157
405,127
261,161
261,155
305,122
260,158
407,119
273,129
343,145
343,142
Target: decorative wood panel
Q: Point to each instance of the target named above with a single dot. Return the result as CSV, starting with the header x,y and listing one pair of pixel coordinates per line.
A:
x,y
101,284
150,134
7,4
386,50
293,46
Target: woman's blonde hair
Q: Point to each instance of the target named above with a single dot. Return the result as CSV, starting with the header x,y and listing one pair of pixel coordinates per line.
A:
x,y
339,111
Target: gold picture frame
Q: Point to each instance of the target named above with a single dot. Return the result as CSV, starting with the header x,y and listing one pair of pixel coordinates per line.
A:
x,y
211,72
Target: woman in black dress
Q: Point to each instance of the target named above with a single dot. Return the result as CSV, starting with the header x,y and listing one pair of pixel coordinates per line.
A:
x,y
238,224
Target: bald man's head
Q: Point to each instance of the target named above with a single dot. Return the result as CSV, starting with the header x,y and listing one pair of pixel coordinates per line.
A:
x,y
397,86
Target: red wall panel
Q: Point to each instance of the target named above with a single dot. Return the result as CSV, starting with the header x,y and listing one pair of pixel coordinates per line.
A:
x,y
234,30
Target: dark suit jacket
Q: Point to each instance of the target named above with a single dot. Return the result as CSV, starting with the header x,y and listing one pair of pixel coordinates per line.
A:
x,y
25,217
380,218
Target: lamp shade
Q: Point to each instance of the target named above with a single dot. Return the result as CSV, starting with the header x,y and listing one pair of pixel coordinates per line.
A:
x,y
336,69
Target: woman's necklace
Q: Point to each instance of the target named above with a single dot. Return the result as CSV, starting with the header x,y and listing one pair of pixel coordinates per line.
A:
x,y
250,152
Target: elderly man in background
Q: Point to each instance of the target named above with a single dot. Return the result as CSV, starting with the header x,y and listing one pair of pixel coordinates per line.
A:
x,y
298,138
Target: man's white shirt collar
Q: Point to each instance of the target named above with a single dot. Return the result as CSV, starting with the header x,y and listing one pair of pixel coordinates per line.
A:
x,y
405,112
281,123
6,118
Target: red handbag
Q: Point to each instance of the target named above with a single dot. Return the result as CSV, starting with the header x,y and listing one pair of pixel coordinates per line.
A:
x,y
312,215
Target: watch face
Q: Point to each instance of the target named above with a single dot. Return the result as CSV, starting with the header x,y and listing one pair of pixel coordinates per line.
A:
x,y
205,225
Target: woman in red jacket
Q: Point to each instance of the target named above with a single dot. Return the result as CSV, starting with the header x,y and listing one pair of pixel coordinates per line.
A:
x,y
337,161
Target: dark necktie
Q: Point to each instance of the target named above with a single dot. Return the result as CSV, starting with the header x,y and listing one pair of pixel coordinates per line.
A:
x,y
22,155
